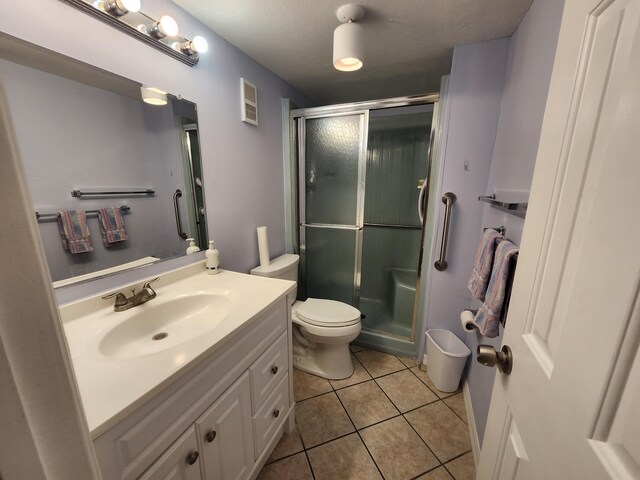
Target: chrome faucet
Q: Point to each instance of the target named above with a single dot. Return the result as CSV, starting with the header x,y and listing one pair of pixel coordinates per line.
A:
x,y
123,302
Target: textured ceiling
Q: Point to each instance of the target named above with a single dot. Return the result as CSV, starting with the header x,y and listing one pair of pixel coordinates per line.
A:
x,y
408,47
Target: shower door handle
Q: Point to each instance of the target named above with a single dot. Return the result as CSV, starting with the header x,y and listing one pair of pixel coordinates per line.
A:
x,y
422,186
176,211
448,199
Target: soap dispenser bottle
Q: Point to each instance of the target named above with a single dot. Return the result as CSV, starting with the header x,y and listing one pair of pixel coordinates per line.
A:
x,y
212,256
192,248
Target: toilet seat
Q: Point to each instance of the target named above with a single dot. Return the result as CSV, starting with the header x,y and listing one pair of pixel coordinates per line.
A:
x,y
327,313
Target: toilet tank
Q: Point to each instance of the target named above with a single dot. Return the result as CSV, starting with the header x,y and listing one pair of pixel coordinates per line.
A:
x,y
284,267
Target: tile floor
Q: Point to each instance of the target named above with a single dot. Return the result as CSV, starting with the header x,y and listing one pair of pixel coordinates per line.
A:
x,y
387,421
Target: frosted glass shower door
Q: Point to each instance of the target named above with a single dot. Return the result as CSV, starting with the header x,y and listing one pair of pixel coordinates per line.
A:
x,y
332,162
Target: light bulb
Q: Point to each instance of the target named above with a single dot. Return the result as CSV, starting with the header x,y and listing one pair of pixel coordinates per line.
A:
x,y
168,26
131,5
200,44
119,8
165,27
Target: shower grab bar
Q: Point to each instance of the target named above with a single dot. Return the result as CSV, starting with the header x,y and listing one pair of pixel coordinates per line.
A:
x,y
176,210
390,225
448,199
422,186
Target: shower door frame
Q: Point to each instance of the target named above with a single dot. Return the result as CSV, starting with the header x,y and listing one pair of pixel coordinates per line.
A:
x,y
359,223
301,115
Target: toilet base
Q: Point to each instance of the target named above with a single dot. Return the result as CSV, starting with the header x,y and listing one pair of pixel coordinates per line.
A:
x,y
328,361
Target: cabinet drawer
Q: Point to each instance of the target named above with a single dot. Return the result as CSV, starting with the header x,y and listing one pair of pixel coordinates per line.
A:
x,y
181,461
267,371
270,415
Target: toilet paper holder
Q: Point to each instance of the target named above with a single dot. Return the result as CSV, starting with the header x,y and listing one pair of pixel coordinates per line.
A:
x,y
467,323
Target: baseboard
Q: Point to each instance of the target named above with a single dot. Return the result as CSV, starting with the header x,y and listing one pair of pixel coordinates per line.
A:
x,y
473,432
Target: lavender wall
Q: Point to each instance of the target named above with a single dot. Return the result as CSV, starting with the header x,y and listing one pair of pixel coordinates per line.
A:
x,y
72,135
472,109
243,167
531,55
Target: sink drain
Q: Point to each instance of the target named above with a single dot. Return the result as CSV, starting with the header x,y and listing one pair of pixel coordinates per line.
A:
x,y
160,336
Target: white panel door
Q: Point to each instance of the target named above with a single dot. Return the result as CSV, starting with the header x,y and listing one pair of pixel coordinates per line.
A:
x,y
569,409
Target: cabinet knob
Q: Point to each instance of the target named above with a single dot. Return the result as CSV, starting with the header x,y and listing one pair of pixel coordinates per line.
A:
x,y
211,436
192,458
274,369
276,413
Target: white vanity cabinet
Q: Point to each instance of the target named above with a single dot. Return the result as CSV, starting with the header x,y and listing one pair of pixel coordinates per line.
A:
x,y
220,420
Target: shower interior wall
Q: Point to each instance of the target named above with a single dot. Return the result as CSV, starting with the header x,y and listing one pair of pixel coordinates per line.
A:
x,y
396,160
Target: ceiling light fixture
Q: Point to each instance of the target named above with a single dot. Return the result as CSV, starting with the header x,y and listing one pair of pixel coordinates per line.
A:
x,y
348,39
118,8
153,96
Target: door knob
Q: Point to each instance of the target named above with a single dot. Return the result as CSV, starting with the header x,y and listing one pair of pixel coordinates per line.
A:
x,y
487,355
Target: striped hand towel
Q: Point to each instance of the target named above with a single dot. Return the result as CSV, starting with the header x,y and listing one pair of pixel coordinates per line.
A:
x,y
488,316
74,231
111,226
483,262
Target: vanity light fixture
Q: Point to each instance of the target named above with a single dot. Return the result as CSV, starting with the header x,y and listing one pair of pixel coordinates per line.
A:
x,y
162,34
348,39
153,96
119,8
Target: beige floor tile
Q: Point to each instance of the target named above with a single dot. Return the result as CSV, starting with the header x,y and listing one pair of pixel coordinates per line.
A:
x,y
408,361
292,468
321,419
378,363
306,385
289,444
366,404
355,348
345,458
397,450
438,474
441,429
422,375
359,375
456,402
463,468
405,390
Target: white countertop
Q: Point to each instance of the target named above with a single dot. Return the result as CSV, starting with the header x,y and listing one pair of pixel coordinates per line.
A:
x,y
111,388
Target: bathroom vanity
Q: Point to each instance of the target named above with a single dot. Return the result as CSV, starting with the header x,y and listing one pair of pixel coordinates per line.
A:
x,y
194,384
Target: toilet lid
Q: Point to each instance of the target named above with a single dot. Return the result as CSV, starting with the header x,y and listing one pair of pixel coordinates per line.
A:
x,y
328,313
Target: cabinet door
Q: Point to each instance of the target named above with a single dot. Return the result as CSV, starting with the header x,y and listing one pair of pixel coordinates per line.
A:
x,y
226,434
181,461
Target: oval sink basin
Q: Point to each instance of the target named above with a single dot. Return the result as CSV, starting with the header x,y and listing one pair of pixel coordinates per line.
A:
x,y
155,327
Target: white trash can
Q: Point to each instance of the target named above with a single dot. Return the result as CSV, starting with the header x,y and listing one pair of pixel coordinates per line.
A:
x,y
446,356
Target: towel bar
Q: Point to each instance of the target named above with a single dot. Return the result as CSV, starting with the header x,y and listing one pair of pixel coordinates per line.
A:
x,y
145,192
52,216
515,208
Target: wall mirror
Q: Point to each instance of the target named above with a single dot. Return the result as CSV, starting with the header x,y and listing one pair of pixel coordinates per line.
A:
x,y
87,142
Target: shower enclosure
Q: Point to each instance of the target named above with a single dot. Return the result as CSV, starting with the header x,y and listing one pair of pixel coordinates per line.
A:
x,y
362,172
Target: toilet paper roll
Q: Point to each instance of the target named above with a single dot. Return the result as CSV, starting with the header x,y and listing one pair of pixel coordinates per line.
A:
x,y
263,246
466,318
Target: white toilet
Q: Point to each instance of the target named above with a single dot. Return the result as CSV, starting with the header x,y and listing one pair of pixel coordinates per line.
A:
x,y
322,329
